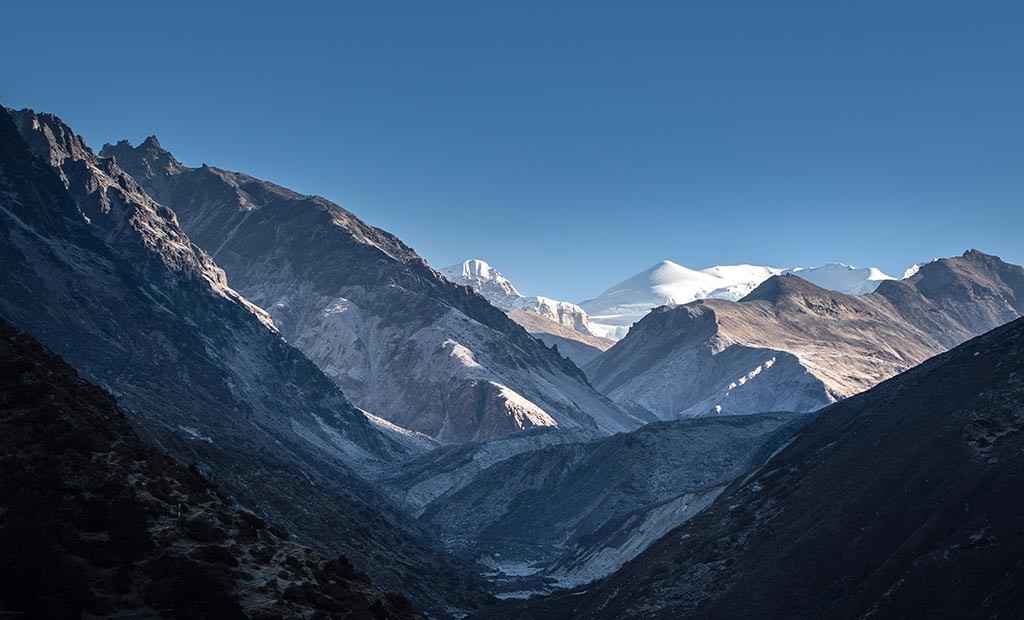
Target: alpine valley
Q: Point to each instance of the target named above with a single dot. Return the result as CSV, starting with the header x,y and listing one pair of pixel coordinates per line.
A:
x,y
222,398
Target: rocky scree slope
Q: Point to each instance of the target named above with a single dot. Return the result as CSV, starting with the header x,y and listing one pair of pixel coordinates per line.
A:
x,y
104,276
399,339
93,521
792,346
904,501
555,507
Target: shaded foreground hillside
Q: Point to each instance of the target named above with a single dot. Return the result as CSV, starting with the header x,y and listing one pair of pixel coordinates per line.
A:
x,y
906,501
94,521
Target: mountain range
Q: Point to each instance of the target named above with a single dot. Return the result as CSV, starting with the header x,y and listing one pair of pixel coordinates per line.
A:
x,y
213,385
615,310
789,345
403,342
610,314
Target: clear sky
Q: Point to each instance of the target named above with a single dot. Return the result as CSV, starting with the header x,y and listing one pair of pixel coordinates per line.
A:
x,y
574,144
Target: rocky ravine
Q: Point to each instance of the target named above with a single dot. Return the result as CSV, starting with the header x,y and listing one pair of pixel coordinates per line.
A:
x,y
574,512
792,346
906,501
397,337
93,521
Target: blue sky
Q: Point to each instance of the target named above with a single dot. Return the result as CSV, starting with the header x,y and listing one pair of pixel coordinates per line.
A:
x,y
574,144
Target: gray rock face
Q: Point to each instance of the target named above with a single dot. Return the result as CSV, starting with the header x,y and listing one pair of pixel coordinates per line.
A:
x,y
901,502
583,509
399,339
104,276
790,345
421,480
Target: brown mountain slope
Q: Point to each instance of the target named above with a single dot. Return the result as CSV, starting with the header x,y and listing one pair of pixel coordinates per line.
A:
x,y
792,346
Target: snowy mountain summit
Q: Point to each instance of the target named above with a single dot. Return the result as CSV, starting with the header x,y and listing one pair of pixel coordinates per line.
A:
x,y
615,310
498,290
486,280
843,278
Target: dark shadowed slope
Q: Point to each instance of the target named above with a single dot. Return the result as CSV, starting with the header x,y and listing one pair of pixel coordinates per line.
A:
x,y
906,501
94,521
792,346
401,341
101,274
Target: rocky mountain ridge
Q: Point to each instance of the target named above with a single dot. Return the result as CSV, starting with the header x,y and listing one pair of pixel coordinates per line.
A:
x,y
555,323
615,310
790,345
498,290
104,276
401,341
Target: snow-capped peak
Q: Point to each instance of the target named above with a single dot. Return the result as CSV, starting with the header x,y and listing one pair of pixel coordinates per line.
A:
x,y
487,281
615,310
843,278
498,290
611,313
476,270
913,269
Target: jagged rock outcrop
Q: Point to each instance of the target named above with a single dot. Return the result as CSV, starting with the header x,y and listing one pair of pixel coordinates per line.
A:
x,y
400,340
902,502
93,521
792,346
104,276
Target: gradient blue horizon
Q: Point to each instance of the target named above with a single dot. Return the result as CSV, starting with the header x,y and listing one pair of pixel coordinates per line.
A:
x,y
572,145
